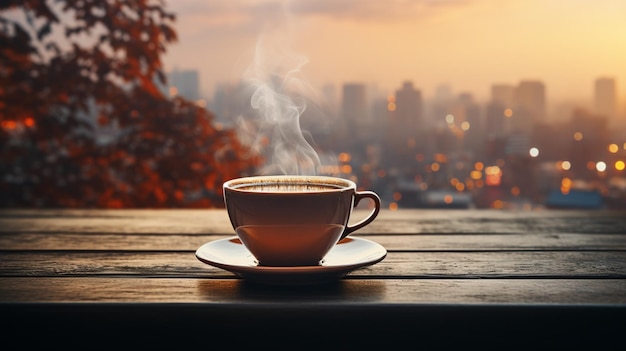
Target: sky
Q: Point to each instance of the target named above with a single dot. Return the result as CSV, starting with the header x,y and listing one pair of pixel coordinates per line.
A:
x,y
468,45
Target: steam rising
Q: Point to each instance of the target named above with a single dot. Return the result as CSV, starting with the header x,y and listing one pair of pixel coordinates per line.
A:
x,y
278,101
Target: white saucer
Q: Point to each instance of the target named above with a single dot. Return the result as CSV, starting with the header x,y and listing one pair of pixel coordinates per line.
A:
x,y
349,254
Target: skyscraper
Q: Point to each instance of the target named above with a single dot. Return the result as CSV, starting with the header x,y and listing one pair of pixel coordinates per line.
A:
x,y
405,120
408,111
353,102
499,110
605,97
354,112
530,105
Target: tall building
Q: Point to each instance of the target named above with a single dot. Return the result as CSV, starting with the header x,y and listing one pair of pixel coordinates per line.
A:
x,y
353,102
590,145
499,111
354,112
605,97
408,111
530,105
405,120
471,125
185,83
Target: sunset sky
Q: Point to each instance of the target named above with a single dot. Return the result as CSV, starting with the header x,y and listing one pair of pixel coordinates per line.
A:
x,y
466,44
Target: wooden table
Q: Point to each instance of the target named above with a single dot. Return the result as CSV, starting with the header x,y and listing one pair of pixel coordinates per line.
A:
x,y
464,278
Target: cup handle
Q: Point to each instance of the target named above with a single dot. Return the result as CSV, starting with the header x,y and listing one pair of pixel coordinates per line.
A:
x,y
358,196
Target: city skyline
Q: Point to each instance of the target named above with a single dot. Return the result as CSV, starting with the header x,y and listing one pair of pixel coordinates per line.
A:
x,y
468,45
603,99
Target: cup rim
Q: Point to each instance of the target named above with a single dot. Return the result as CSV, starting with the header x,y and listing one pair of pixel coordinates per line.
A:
x,y
341,184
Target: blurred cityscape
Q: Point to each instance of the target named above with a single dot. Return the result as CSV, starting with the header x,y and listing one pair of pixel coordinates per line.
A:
x,y
517,150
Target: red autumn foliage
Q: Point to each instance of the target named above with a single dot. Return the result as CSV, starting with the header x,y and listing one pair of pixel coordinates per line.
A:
x,y
87,125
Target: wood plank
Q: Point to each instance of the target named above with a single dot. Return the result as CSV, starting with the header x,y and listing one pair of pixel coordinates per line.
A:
x,y
215,221
352,291
451,265
418,242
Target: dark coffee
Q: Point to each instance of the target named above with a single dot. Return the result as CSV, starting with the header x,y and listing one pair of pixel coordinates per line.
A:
x,y
287,187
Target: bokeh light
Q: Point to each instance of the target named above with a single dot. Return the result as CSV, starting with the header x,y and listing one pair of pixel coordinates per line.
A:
x,y
578,136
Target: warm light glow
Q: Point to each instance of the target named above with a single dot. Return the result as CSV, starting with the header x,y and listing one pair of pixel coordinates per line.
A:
x,y
441,158
620,165
448,199
29,122
397,196
493,175
391,106
566,182
508,113
346,169
600,166
419,157
578,136
515,191
450,119
566,185
491,170
434,167
454,181
476,175
459,186
533,152
344,157
566,165
497,204
479,166
613,148
9,125
465,126
393,206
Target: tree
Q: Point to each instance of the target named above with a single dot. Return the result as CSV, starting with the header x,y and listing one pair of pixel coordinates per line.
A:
x,y
84,118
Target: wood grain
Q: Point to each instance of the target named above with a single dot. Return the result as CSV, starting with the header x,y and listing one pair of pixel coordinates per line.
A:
x,y
352,291
460,277
470,265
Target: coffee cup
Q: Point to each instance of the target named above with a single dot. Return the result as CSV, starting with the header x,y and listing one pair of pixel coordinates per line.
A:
x,y
291,220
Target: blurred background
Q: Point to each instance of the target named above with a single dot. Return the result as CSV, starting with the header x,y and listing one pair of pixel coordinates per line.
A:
x,y
430,103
